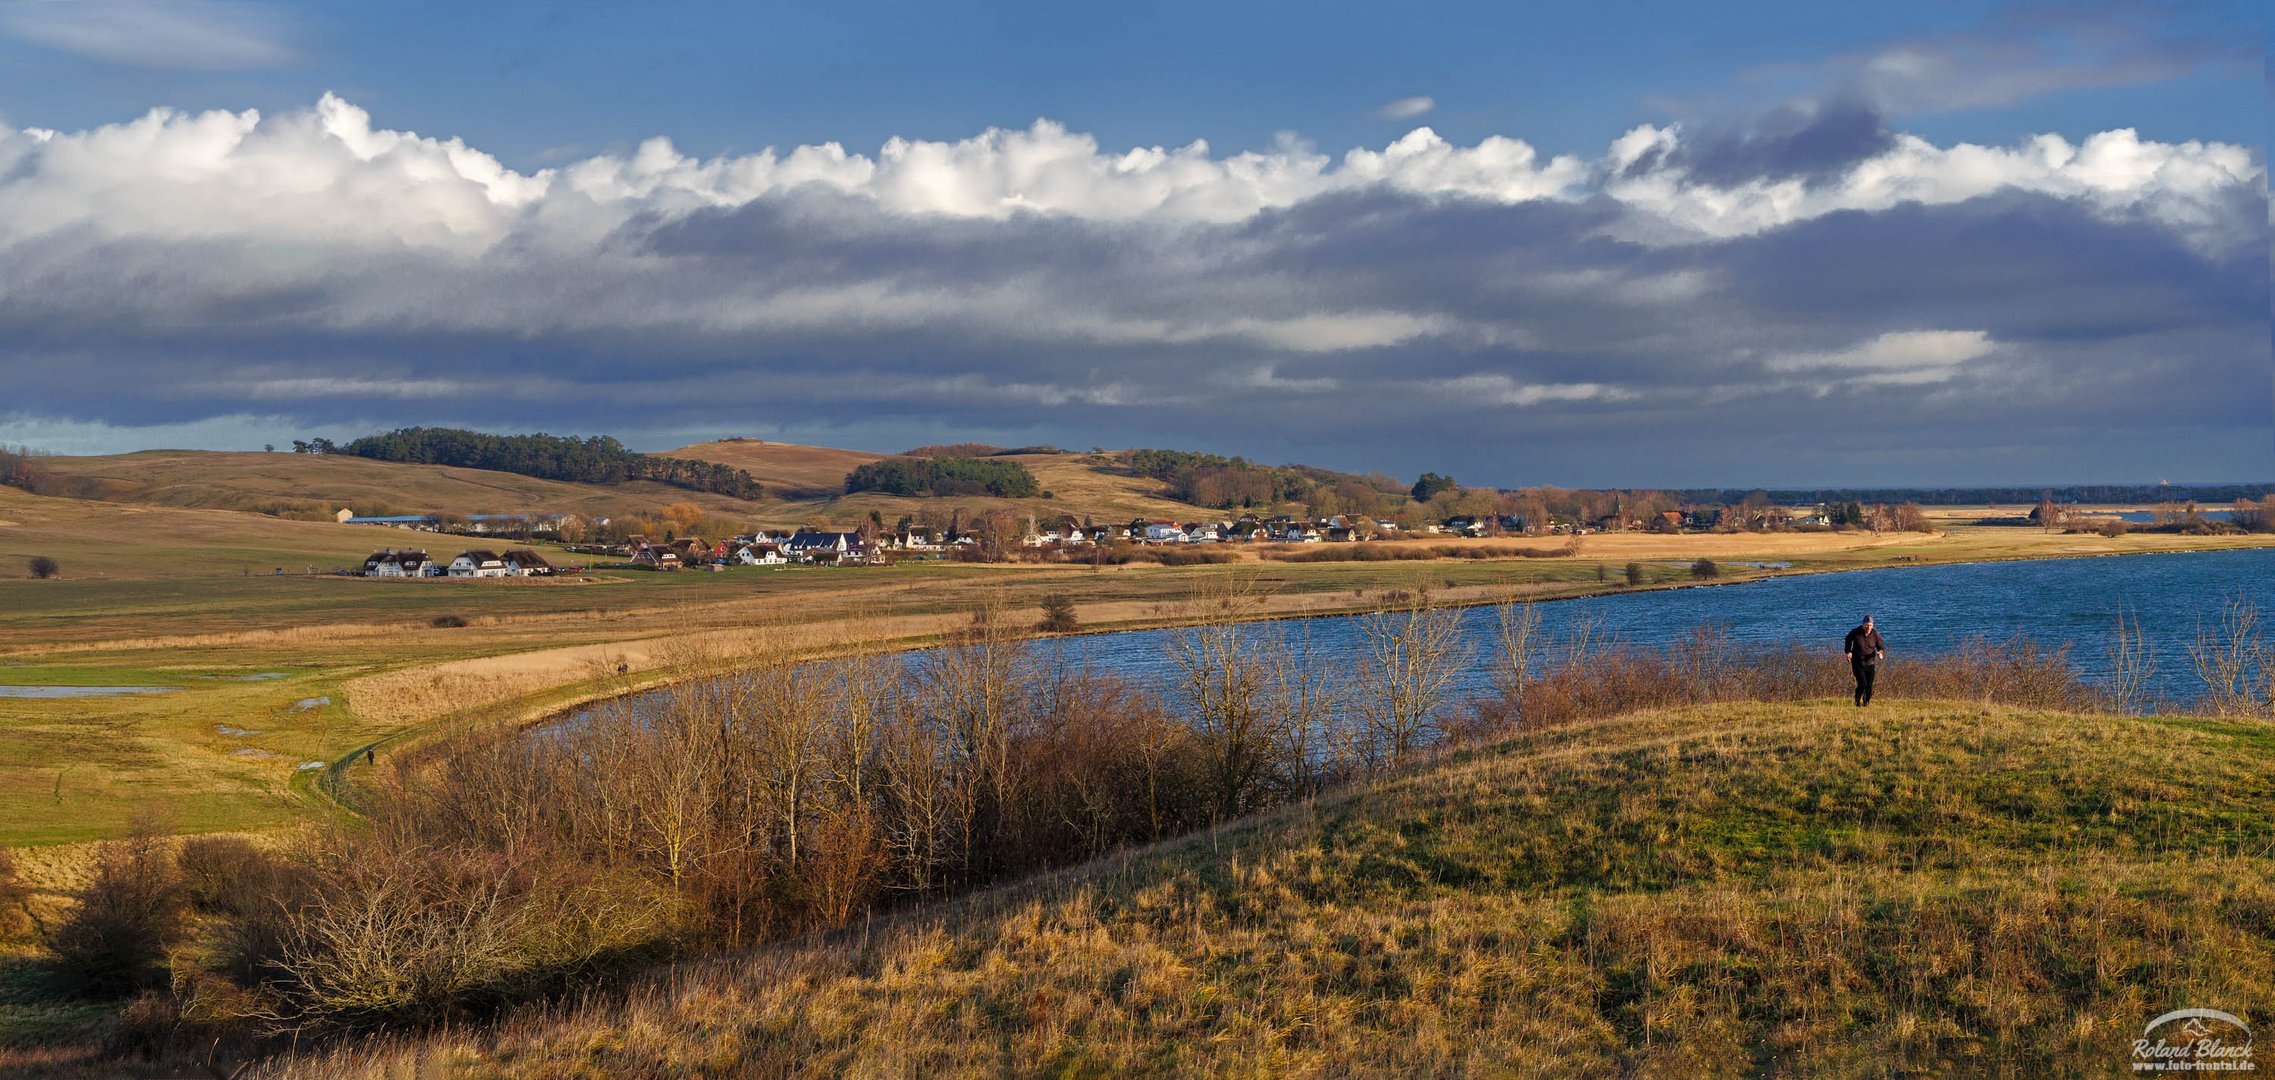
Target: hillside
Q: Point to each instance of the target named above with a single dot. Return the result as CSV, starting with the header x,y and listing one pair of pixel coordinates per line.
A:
x,y
1076,483
782,467
265,482
1916,889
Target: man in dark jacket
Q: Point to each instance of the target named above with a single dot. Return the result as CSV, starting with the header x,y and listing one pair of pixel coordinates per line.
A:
x,y
1864,649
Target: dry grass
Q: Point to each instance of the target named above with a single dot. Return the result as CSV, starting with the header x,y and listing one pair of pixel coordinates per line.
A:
x,y
781,465
260,481
1918,889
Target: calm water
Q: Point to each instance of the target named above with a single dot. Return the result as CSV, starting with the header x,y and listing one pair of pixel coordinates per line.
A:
x,y
1919,610
81,691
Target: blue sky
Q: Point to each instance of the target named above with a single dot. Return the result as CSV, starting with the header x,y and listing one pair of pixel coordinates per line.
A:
x,y
1643,243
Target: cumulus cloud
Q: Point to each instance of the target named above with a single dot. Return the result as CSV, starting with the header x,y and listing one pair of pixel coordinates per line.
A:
x,y
1406,108
1383,306
194,34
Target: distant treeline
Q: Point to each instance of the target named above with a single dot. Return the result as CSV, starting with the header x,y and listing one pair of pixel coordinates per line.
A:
x,y
1230,483
944,476
2075,493
598,459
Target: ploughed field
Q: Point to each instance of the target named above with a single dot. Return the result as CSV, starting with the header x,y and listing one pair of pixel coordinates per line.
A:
x,y
1810,889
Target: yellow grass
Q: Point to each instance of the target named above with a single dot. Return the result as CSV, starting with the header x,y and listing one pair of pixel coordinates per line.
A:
x,y
1921,889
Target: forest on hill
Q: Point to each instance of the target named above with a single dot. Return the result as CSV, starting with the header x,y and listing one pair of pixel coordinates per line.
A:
x,y
597,459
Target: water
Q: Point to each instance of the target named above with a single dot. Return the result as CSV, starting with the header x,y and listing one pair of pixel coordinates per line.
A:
x,y
2149,517
1919,610
81,691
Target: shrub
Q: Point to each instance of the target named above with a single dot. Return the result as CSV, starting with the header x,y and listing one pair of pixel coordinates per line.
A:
x,y
43,567
1705,569
449,622
1058,613
1635,573
115,939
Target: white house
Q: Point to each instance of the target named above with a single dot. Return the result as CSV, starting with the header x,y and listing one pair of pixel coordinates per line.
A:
x,y
393,564
828,547
1164,532
479,564
760,555
522,562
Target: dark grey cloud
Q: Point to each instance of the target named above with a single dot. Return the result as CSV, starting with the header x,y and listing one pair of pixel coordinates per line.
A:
x,y
2074,317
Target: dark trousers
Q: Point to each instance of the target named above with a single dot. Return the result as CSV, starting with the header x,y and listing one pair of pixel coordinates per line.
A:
x,y
1864,671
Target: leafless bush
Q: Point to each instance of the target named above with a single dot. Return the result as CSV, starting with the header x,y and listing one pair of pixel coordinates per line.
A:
x,y
43,567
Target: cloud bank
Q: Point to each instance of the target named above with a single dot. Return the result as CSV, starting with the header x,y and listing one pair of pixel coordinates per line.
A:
x,y
1682,308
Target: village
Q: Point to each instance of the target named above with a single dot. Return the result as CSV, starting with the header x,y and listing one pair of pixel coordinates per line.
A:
x,y
993,538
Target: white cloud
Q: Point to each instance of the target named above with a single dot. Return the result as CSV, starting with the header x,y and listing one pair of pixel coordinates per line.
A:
x,y
1494,389
213,35
1406,108
2181,185
1919,354
306,182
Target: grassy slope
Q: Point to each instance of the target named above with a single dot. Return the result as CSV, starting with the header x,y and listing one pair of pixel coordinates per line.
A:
x,y
1079,487
1916,889
257,481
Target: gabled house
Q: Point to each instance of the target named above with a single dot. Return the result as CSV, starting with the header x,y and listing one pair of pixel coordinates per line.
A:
x,y
768,554
1163,532
692,550
660,556
478,564
522,562
392,563
828,547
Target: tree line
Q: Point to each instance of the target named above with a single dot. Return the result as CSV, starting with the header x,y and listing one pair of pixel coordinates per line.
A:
x,y
597,459
944,476
1235,483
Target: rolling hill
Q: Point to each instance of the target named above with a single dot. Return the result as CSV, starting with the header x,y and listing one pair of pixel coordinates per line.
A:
x,y
1920,889
269,482
1080,484
803,483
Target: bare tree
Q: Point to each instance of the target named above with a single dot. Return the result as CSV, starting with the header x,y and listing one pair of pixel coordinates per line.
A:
x,y
1222,679
1305,695
1516,641
970,689
2235,660
1414,653
2131,664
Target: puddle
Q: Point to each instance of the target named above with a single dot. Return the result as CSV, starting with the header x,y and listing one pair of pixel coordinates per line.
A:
x,y
260,677
251,752
237,731
309,766
81,691
307,703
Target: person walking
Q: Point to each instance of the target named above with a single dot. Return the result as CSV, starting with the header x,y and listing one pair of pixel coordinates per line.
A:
x,y
1864,649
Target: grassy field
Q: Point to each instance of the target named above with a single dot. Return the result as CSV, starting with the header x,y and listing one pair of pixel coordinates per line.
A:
x,y
1079,484
1917,889
260,482
189,599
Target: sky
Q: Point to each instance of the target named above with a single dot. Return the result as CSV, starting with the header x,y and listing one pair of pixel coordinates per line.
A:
x,y
1635,244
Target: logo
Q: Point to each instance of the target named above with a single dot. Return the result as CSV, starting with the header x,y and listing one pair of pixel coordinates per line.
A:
x,y
2209,1041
